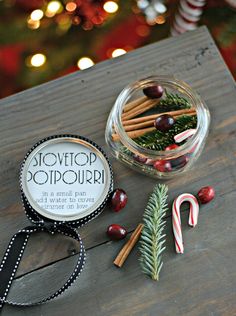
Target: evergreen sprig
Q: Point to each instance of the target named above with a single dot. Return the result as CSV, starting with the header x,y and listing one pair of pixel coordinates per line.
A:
x,y
173,102
158,140
152,238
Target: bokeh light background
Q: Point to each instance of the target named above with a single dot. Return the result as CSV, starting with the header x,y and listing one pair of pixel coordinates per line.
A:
x,y
43,40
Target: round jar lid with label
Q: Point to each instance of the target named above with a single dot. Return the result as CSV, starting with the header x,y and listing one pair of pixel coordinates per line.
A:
x,y
66,178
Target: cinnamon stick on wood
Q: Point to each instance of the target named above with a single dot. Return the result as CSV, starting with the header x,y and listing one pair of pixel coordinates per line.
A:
x,y
125,251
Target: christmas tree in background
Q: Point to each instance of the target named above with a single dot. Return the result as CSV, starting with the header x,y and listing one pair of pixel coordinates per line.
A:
x,y
42,40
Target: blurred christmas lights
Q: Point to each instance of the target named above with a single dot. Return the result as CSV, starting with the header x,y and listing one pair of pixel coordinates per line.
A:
x,y
160,7
110,6
53,8
71,6
160,19
152,9
37,60
64,22
33,25
36,15
143,30
118,52
85,62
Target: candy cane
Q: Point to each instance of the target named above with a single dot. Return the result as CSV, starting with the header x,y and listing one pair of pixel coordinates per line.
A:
x,y
187,16
184,135
176,220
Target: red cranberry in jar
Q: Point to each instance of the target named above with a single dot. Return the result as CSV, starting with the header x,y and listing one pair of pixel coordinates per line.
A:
x,y
153,92
179,162
140,159
164,122
162,165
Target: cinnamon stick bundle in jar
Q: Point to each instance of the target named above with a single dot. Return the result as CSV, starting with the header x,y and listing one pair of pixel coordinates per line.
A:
x,y
136,126
140,126
157,132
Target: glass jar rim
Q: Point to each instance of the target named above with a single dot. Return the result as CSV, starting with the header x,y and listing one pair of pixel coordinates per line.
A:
x,y
170,81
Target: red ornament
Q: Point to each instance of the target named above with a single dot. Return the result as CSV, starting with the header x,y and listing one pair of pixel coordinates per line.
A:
x,y
171,147
206,194
116,232
118,199
162,165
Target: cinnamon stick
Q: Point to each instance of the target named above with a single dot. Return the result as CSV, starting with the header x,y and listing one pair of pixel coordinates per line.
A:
x,y
147,105
125,251
129,106
134,134
150,122
154,116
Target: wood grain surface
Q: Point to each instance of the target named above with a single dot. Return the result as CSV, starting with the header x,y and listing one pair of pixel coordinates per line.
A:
x,y
202,281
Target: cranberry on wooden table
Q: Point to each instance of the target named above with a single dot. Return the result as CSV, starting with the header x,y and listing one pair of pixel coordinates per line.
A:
x,y
118,199
116,232
206,194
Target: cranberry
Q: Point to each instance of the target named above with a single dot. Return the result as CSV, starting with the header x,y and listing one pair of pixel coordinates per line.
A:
x,y
140,158
171,147
162,165
164,122
206,194
118,199
116,232
179,162
154,92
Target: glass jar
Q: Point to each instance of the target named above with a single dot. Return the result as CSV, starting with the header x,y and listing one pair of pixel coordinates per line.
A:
x,y
167,162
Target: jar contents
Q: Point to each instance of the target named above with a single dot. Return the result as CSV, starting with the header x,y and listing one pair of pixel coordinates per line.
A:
x,y
151,129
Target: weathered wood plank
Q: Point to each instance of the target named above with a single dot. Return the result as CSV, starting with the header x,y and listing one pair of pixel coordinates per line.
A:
x,y
199,282
80,103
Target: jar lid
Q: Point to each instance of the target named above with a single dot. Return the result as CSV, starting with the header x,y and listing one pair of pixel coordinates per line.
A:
x,y
66,178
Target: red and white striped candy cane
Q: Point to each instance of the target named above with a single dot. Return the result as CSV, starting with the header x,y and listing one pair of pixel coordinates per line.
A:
x,y
187,16
176,220
184,135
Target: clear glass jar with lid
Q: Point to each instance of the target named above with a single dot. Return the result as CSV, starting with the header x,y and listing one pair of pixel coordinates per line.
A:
x,y
156,153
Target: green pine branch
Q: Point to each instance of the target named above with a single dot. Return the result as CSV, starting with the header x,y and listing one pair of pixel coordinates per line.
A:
x,y
172,102
152,238
158,140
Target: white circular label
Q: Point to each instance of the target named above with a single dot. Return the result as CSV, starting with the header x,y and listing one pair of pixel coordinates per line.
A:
x,y
66,179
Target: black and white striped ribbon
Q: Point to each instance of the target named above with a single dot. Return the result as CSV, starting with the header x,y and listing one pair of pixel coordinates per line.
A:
x,y
19,241
15,251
